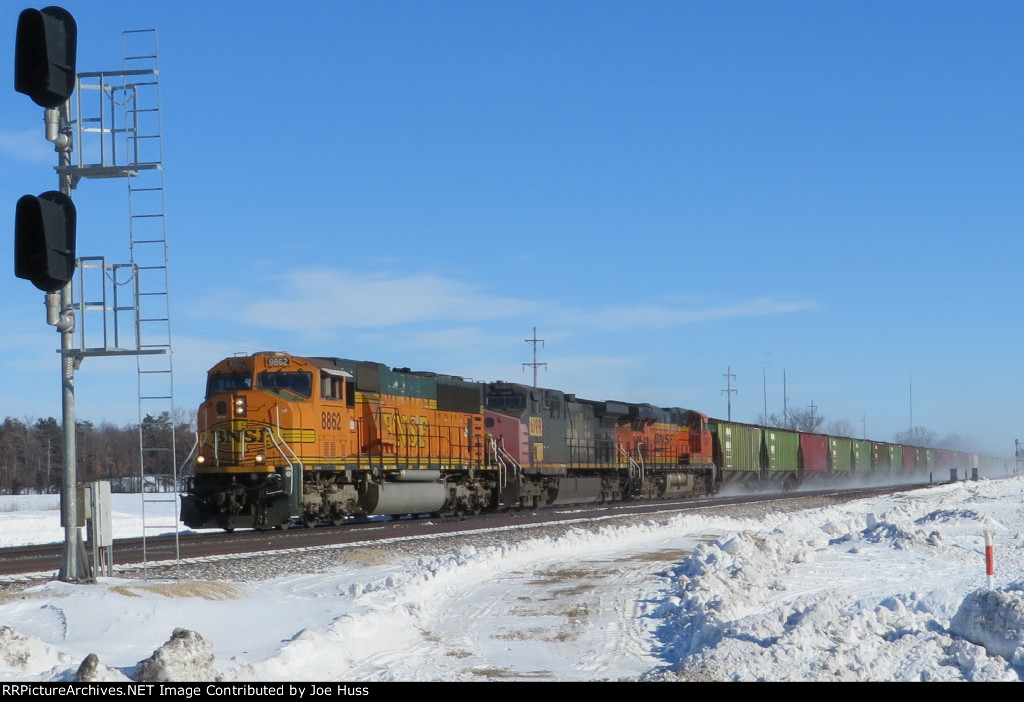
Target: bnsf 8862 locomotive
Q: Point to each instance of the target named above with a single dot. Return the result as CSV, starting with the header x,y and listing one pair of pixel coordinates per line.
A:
x,y
285,438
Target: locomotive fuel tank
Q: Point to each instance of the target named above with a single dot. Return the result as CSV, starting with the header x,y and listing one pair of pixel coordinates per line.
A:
x,y
421,496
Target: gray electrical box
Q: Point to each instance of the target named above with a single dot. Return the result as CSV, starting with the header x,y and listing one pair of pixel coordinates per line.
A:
x,y
101,532
94,513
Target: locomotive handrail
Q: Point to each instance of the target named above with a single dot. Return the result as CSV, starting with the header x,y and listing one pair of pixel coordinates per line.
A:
x,y
284,449
500,455
216,444
638,467
498,460
191,453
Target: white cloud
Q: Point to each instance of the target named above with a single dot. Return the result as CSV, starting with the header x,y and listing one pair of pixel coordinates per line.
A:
x,y
633,317
318,302
317,298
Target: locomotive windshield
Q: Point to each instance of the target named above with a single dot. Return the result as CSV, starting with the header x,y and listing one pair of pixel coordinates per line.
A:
x,y
298,382
227,382
506,402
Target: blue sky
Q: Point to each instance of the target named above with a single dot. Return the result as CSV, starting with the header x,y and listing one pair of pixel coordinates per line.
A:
x,y
665,190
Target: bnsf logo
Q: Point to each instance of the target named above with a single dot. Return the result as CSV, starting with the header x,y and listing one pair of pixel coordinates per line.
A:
x,y
238,436
410,432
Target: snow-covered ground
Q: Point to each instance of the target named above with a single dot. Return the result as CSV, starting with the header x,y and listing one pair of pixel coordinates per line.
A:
x,y
889,588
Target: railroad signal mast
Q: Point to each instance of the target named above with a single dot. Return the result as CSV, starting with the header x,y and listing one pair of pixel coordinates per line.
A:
x,y
45,228
121,134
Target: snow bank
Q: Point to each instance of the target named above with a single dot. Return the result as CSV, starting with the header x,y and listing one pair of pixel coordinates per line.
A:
x,y
760,606
994,620
883,589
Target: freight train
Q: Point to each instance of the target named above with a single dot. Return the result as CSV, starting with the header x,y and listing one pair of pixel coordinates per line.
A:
x,y
285,439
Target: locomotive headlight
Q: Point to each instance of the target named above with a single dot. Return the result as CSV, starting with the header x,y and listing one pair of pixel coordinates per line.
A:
x,y
260,459
240,406
200,459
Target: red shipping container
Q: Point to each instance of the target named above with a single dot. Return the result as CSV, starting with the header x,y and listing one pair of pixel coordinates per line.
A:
x,y
813,452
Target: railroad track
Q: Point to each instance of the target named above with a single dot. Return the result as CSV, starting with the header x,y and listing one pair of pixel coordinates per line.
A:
x,y
21,564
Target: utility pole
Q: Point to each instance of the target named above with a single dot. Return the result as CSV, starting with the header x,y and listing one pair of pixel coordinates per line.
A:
x,y
911,402
764,382
729,390
535,365
785,401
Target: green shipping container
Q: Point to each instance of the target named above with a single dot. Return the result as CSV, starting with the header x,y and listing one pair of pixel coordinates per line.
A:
x,y
841,451
861,455
782,450
737,447
926,459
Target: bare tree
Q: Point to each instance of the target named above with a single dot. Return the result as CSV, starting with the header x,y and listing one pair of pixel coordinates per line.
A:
x,y
959,442
917,436
840,427
13,455
50,457
797,420
805,420
772,420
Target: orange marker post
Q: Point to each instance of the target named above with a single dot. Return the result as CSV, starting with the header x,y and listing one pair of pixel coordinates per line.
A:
x,y
990,561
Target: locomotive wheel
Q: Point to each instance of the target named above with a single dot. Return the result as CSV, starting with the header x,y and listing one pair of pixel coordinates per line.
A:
x,y
309,519
283,526
337,518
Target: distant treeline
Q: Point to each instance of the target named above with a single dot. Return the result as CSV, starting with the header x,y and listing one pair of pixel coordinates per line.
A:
x,y
32,453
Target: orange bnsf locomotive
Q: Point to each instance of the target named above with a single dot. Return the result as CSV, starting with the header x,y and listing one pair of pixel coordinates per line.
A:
x,y
286,438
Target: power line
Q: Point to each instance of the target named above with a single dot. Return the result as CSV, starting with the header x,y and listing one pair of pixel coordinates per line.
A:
x,y
535,365
729,389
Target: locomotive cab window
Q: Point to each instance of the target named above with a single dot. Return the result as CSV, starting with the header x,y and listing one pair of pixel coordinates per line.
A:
x,y
506,402
298,382
332,384
220,383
